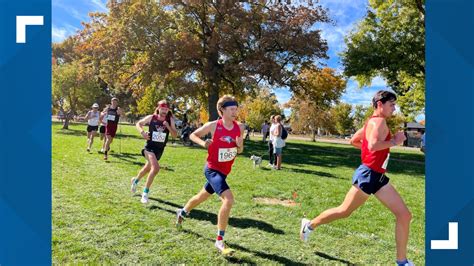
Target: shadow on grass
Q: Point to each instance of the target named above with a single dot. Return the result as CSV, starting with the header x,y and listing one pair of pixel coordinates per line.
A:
x,y
328,257
73,132
273,257
79,132
130,158
137,159
312,172
321,154
211,217
307,154
120,135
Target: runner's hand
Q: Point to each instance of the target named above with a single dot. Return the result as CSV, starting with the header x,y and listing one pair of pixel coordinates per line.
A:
x,y
207,143
145,135
399,137
239,141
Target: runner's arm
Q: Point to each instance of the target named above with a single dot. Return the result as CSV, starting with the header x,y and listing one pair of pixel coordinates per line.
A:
x,y
377,131
240,140
356,140
172,128
202,131
144,121
101,118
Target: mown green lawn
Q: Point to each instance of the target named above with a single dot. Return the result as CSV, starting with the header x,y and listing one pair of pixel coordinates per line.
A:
x,y
97,220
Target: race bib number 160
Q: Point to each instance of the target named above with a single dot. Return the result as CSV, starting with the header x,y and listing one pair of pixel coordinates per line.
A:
x,y
226,155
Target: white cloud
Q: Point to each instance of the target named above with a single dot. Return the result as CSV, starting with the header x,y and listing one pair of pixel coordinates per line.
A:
x,y
61,33
100,5
70,10
58,34
355,95
378,82
283,95
334,35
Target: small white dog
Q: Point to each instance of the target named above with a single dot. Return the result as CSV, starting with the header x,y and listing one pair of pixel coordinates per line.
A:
x,y
257,161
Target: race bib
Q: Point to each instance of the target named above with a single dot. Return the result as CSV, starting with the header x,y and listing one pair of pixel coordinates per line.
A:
x,y
158,136
111,117
385,163
227,154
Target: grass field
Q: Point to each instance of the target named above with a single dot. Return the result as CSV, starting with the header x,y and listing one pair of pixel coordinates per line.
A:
x,y
97,220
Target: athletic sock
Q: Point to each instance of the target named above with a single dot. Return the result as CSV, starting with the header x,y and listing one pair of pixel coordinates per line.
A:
x,y
220,235
135,180
146,190
184,213
308,226
402,262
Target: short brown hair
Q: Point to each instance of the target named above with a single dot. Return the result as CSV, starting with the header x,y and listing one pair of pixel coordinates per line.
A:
x,y
383,96
222,100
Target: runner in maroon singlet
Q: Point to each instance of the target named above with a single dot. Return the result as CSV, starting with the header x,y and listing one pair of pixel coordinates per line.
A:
x,y
112,114
160,125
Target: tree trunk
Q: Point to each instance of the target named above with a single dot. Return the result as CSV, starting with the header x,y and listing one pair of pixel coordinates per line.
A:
x,y
67,117
213,97
66,122
313,135
213,84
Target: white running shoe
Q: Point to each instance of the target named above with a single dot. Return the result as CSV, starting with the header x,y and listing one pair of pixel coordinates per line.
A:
x,y
133,188
304,232
409,263
222,249
144,199
179,219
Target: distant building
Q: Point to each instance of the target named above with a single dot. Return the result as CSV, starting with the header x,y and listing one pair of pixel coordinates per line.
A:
x,y
413,132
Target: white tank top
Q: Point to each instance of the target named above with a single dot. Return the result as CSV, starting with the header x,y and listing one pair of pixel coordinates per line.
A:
x,y
94,119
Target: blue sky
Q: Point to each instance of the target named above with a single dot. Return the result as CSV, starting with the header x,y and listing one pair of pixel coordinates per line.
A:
x,y
345,14
68,14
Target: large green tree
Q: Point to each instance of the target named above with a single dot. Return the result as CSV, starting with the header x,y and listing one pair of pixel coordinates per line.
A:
x,y
216,46
360,112
343,120
259,108
315,91
396,122
74,89
390,42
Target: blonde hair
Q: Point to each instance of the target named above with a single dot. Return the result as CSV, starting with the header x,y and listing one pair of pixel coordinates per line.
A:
x,y
222,100
278,118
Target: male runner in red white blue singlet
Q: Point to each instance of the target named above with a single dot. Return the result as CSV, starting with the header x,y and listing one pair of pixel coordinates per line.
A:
x,y
374,140
224,146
